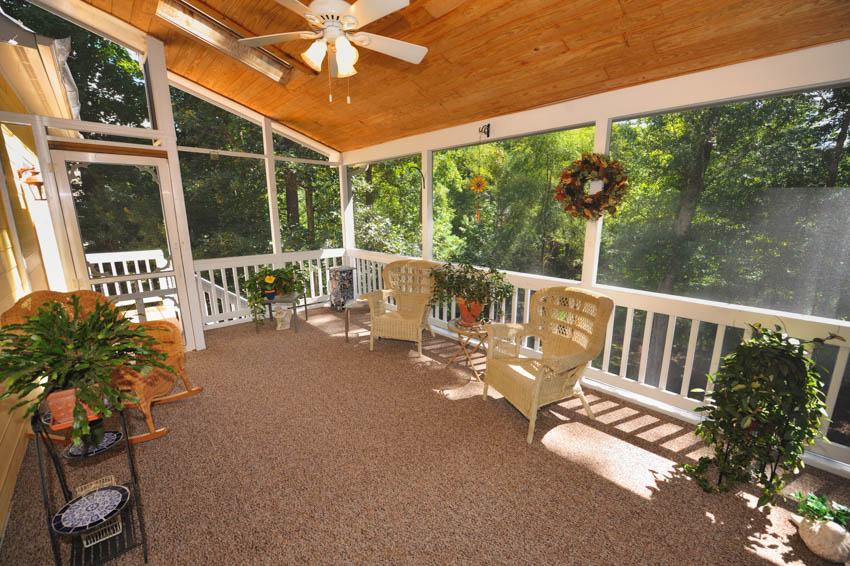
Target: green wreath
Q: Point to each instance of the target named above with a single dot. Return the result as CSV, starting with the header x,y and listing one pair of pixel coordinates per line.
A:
x,y
591,167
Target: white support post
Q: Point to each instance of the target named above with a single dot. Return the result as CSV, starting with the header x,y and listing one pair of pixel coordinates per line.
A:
x,y
346,202
163,119
428,205
271,185
56,243
593,229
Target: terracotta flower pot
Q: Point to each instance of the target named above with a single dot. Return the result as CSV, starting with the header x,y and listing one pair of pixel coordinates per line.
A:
x,y
61,405
470,313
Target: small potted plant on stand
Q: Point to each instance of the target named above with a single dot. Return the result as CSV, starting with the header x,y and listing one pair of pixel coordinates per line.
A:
x,y
267,283
822,526
473,288
66,357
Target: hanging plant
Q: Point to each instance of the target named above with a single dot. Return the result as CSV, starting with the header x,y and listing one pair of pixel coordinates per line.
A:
x,y
572,190
478,186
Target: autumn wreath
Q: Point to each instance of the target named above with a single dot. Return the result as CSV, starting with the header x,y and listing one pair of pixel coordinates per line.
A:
x,y
572,188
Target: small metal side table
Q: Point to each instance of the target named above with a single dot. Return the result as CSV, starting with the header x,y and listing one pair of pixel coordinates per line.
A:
x,y
292,299
104,542
465,334
353,304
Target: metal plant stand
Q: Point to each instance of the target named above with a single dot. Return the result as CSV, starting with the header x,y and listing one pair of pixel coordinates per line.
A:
x,y
101,548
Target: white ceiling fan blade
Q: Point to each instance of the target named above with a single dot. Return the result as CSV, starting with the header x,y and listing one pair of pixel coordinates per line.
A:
x,y
273,38
367,11
296,7
403,50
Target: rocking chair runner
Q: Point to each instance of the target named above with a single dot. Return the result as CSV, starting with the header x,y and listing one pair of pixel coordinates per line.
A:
x,y
410,284
150,389
571,324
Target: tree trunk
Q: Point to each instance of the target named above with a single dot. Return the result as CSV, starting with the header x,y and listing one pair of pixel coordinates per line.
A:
x,y
308,207
291,198
371,191
687,208
838,151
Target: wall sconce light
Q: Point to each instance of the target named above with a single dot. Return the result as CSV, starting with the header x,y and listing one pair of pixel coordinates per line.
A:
x,y
34,182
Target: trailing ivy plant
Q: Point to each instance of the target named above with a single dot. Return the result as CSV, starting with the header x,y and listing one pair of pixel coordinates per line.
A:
x,y
818,508
63,348
285,280
766,405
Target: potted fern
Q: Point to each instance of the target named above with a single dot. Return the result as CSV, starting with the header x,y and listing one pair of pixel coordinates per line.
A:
x,y
63,353
473,288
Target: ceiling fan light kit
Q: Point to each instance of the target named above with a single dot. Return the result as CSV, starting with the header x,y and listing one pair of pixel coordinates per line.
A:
x,y
334,24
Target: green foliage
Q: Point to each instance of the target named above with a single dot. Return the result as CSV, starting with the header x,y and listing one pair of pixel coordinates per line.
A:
x,y
818,508
289,279
766,405
57,349
387,206
522,227
471,284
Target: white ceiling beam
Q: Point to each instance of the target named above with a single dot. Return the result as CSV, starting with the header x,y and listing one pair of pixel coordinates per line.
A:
x,y
804,69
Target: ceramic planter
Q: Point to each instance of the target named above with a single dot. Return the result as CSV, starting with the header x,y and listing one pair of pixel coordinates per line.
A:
x,y
827,539
470,313
270,295
61,405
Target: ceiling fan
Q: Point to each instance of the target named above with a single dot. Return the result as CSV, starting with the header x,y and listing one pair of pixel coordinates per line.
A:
x,y
334,26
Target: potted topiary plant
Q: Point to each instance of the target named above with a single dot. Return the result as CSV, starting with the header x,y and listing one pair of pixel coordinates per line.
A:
x,y
822,527
280,281
62,353
473,288
767,404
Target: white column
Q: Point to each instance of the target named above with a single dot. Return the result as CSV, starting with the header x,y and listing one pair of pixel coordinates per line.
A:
x,y
593,230
53,239
20,260
271,184
163,119
428,205
346,203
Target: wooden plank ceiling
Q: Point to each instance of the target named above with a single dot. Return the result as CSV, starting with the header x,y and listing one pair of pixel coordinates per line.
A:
x,y
486,57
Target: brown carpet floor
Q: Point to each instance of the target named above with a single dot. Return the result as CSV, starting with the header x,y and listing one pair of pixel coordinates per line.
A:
x,y
303,449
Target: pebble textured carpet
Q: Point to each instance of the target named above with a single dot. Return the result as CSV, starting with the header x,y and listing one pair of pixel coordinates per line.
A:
x,y
303,449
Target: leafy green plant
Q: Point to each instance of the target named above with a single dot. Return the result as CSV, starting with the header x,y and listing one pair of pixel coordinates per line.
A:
x,y
285,280
62,348
463,281
818,508
766,405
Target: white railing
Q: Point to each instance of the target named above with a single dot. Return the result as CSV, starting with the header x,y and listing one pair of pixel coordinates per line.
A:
x,y
658,346
140,279
220,281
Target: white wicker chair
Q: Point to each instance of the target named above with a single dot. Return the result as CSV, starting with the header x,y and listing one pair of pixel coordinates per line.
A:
x,y
409,284
571,324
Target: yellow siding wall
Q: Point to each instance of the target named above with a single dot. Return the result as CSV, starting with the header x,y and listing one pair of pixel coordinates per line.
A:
x,y
16,146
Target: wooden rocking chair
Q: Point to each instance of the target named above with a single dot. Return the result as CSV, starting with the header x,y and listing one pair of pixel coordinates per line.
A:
x,y
150,389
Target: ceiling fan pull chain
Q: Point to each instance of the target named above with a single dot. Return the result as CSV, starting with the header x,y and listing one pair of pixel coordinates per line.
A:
x,y
330,90
348,90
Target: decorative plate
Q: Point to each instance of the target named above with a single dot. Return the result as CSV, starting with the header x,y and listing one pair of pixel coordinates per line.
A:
x,y
110,439
91,510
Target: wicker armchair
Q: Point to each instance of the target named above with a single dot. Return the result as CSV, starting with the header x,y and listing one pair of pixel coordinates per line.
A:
x,y
151,388
571,324
409,285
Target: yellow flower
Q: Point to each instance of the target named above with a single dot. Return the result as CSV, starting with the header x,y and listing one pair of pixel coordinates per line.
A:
x,y
478,185
269,279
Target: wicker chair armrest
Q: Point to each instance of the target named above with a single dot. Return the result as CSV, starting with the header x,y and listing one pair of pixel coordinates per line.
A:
x,y
377,301
505,339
